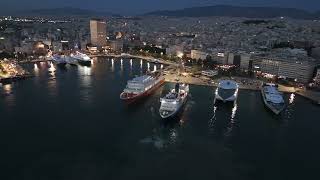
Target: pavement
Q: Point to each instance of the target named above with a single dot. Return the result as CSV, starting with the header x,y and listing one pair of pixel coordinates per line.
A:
x,y
244,83
286,89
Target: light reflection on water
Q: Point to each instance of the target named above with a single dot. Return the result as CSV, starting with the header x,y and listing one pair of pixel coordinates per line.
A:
x,y
173,136
85,74
288,111
42,64
121,67
9,95
131,68
52,69
52,83
212,121
232,120
291,99
112,65
36,69
219,124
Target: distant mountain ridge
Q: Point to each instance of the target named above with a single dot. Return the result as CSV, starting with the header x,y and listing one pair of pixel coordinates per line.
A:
x,y
237,11
65,11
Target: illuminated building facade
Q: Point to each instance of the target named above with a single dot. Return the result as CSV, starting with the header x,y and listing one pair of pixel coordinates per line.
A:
x,y
98,32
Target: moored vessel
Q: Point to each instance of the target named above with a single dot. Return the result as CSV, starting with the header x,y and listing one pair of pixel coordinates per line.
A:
x,y
227,91
272,98
82,59
59,60
72,61
142,86
174,101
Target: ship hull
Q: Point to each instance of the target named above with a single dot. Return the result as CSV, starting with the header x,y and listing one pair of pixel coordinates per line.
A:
x,y
84,63
62,64
269,106
142,95
231,99
80,61
227,91
73,63
175,113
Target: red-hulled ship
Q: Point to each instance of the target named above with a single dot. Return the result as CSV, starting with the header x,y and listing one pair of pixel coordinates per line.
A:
x,y
142,86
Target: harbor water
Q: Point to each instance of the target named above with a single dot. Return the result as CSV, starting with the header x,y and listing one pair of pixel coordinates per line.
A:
x,y
69,123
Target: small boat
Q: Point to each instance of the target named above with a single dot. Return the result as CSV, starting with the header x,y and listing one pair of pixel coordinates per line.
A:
x,y
173,102
142,86
272,98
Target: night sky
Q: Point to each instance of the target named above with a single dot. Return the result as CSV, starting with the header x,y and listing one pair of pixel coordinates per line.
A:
x,y
142,6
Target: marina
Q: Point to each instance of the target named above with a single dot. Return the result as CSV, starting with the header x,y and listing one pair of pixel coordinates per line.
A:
x,y
172,74
77,112
159,90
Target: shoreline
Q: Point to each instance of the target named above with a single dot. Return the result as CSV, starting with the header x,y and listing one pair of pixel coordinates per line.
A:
x,y
33,61
172,78
8,80
212,85
147,58
206,82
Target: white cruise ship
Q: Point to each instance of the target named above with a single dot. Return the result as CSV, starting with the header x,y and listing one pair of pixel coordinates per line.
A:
x,y
59,60
71,61
173,102
82,59
272,98
227,91
142,86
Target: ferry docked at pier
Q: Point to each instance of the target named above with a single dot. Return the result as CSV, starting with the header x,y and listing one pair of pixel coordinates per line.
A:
x,y
227,91
59,60
272,98
142,86
72,61
82,59
174,101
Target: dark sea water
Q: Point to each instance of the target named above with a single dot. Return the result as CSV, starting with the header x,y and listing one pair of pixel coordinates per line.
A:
x,y
70,124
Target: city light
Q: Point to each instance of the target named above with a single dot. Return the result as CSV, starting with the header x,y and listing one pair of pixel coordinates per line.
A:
x,y
216,91
180,54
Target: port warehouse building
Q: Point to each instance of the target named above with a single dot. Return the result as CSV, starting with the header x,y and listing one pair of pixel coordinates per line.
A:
x,y
299,69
